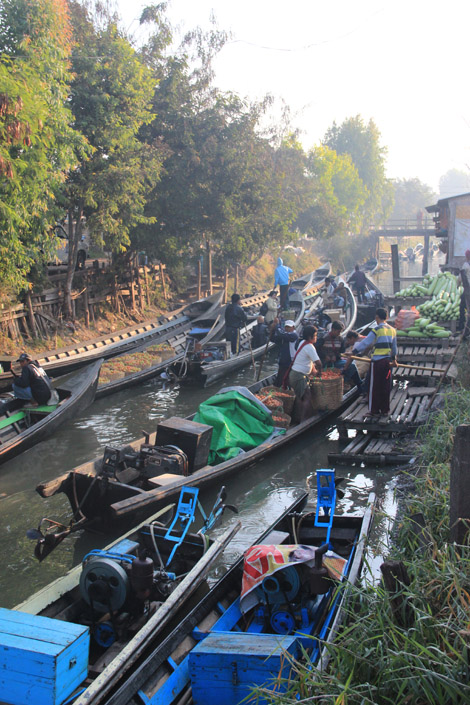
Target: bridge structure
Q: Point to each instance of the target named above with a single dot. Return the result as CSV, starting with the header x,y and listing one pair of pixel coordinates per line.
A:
x,y
400,229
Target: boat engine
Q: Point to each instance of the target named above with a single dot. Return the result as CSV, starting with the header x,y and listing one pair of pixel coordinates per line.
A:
x,y
290,597
124,587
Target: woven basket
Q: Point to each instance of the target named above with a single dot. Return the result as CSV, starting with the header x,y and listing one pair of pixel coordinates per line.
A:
x,y
327,394
271,402
285,396
281,420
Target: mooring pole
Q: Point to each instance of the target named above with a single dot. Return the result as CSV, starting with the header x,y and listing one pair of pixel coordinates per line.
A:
x,y
459,494
395,268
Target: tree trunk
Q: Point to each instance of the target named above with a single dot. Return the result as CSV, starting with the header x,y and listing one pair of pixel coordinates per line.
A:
x,y
74,236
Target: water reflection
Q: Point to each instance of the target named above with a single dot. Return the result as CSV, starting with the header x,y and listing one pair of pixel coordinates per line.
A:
x,y
261,493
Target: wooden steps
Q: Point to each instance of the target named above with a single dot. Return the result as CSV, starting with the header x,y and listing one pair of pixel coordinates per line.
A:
x,y
371,450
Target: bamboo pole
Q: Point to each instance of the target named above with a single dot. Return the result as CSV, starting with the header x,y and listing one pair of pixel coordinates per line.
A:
x,y
162,275
199,280
404,367
209,268
226,285
32,321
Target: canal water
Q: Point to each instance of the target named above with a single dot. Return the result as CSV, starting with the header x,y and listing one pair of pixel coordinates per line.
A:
x,y
260,492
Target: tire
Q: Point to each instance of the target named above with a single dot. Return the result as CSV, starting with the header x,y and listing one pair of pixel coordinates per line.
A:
x,y
81,257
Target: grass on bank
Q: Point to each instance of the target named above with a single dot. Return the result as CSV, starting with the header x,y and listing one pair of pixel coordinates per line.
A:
x,y
375,660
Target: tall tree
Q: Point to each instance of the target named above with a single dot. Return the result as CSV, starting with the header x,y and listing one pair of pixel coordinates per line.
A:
x,y
223,181
110,101
336,194
37,144
453,183
362,142
411,197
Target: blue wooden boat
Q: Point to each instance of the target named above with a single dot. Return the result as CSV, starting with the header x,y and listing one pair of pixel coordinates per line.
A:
x,y
95,622
291,607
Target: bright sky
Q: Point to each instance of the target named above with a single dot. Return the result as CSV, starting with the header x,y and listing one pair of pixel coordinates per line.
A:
x,y
403,63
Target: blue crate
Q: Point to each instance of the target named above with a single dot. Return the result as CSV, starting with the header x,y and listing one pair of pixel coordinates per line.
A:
x,y
225,666
42,660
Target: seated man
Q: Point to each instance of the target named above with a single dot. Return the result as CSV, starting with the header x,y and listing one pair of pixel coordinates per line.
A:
x,y
339,298
33,384
330,348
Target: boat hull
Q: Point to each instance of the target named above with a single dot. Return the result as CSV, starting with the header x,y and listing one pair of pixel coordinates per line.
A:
x,y
218,615
80,392
127,502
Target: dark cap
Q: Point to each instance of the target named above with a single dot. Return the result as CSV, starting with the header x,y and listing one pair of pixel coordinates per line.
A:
x,y
24,356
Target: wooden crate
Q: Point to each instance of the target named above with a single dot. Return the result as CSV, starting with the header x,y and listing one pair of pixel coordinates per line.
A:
x,y
225,666
193,438
42,660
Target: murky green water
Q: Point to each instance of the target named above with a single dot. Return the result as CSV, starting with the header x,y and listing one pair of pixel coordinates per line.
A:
x,y
260,492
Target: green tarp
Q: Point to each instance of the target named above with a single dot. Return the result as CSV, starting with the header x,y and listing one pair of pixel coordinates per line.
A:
x,y
240,422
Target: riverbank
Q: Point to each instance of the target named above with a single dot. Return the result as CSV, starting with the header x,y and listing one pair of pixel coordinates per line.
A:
x,y
409,647
257,277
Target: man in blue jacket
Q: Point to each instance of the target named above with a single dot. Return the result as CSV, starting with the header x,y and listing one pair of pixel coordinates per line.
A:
x,y
281,277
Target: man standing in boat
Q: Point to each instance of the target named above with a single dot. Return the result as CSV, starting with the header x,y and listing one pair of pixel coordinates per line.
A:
x,y
287,339
235,318
32,384
383,339
281,277
359,281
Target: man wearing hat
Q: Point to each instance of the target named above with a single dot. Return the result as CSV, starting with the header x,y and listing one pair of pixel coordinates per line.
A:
x,y
32,383
287,339
464,274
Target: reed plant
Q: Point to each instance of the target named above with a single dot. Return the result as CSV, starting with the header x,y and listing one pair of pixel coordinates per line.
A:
x,y
375,660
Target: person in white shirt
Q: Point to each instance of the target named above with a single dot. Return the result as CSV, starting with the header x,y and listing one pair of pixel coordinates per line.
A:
x,y
305,362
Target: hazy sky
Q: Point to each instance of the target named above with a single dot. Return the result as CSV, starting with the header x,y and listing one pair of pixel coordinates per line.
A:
x,y
405,64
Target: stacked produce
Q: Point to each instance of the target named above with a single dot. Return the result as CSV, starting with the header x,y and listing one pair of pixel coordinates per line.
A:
x,y
442,288
445,302
424,328
125,365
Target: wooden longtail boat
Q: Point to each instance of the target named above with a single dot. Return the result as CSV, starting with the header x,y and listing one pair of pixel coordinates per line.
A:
x,y
108,610
125,489
65,360
313,279
23,425
321,315
205,373
202,330
226,646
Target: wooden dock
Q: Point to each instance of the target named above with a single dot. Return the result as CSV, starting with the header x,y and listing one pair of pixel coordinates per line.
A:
x,y
408,352
408,410
367,449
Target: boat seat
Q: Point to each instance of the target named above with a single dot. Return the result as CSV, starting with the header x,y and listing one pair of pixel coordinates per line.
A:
x,y
276,537
41,409
165,479
10,420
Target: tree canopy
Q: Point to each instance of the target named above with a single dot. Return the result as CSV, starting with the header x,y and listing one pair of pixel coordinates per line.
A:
x,y
139,144
362,142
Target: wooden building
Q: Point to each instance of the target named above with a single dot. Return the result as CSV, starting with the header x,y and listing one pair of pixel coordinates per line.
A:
x,y
452,224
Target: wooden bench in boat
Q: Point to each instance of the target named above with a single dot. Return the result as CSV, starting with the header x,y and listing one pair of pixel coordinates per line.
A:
x,y
24,414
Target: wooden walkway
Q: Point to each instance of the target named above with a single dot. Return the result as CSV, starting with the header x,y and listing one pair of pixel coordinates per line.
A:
x,y
428,375
369,449
408,410
408,352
